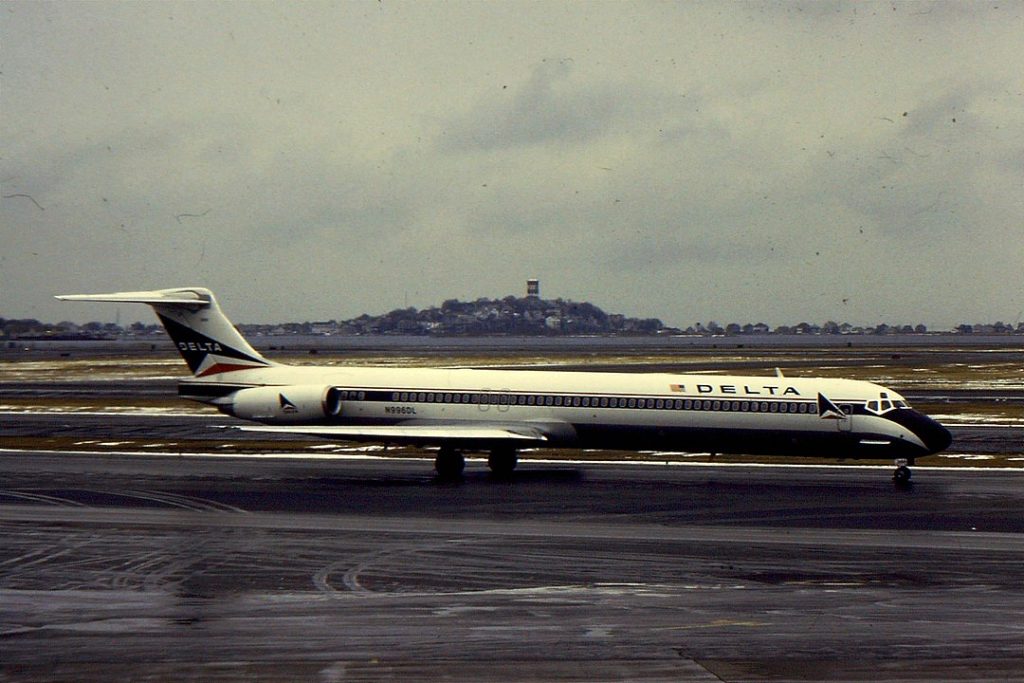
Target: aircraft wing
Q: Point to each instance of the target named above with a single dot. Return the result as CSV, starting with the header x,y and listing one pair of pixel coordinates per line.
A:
x,y
465,435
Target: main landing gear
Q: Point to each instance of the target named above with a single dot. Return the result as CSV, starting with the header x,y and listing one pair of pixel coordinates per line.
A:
x,y
901,477
450,463
502,461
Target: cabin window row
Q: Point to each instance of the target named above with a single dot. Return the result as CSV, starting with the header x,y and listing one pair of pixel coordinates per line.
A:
x,y
604,402
352,395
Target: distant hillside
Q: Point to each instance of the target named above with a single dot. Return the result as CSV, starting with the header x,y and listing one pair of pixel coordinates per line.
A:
x,y
526,316
508,316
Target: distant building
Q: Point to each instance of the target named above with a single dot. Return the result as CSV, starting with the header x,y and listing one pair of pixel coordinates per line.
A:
x,y
533,289
324,328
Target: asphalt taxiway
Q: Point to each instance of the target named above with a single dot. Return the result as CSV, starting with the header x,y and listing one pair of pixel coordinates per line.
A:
x,y
144,567
133,546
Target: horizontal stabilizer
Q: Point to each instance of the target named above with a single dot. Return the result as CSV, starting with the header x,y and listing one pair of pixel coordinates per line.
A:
x,y
157,297
201,332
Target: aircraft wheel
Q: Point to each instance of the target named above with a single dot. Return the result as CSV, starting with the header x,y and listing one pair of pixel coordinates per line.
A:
x,y
502,461
449,463
902,475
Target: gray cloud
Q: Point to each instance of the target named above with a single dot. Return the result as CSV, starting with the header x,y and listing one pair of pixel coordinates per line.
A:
x,y
549,108
687,161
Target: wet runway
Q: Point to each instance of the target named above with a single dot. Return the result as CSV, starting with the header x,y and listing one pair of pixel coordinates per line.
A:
x,y
129,567
144,560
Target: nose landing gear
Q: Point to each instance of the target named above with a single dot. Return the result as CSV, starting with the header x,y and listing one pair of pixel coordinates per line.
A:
x,y
901,477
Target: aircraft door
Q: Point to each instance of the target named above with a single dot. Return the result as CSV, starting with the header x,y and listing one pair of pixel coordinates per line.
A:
x,y
845,423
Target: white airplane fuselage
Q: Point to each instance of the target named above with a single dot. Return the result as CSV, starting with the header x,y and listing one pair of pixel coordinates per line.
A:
x,y
723,414
504,410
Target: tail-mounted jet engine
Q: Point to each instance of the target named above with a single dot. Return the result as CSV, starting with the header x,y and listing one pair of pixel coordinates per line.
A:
x,y
285,404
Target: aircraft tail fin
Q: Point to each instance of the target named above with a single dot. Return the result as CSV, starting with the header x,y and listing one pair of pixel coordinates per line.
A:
x,y
203,335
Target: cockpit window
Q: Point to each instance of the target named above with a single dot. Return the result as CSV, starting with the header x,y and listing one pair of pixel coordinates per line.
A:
x,y
884,405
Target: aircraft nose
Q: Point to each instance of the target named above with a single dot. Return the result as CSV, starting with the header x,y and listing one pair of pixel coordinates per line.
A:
x,y
934,435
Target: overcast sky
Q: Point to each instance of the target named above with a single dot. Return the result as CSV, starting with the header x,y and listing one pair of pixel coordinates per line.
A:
x,y
745,162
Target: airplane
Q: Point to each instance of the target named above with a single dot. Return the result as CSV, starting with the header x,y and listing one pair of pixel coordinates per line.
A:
x,y
502,411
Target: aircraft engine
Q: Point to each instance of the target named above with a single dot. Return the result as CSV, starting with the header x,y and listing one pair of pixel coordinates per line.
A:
x,y
285,404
